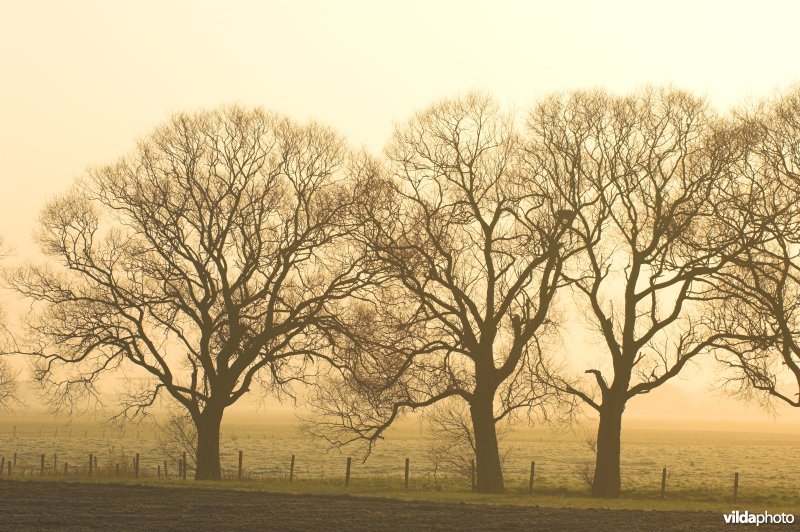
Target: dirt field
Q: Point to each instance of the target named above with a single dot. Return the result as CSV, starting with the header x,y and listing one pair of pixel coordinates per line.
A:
x,y
81,506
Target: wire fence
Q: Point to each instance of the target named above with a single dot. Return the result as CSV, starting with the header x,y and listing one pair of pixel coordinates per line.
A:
x,y
538,466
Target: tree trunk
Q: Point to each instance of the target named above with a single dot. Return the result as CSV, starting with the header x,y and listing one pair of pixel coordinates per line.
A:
x,y
606,481
487,453
208,428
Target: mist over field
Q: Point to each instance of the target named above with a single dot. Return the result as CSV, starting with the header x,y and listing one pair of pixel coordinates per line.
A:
x,y
701,452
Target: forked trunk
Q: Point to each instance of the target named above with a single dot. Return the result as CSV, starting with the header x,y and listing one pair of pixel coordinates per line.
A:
x,y
607,480
487,454
208,429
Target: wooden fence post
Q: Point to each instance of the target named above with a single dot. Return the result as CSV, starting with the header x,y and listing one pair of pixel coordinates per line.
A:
x,y
136,465
117,469
9,468
165,470
241,458
347,473
184,465
663,482
735,486
407,470
91,463
15,457
65,469
291,470
530,480
159,471
472,474
55,459
2,464
41,465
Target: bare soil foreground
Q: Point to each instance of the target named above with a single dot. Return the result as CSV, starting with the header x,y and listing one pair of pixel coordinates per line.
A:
x,y
30,505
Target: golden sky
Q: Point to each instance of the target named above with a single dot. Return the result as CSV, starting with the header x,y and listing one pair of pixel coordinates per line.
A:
x,y
81,80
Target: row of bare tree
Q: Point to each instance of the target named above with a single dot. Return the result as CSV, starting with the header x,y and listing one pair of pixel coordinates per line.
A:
x,y
237,248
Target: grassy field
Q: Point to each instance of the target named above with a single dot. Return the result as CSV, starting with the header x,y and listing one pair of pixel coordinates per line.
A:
x,y
700,464
694,500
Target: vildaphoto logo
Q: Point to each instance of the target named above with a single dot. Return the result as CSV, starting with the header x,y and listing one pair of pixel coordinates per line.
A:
x,y
746,518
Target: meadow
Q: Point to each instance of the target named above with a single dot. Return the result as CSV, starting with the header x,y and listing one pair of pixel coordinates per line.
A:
x,y
700,463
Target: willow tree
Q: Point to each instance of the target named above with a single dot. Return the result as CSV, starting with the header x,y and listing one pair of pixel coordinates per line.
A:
x,y
471,250
643,174
760,293
210,259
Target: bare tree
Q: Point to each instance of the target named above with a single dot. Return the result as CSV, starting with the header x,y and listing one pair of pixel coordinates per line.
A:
x,y
643,173
761,291
8,376
177,435
451,439
471,250
212,258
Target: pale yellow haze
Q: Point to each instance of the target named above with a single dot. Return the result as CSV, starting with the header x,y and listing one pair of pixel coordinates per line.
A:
x,y
80,81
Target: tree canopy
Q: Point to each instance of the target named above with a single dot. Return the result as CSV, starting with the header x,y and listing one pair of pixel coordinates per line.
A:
x,y
212,257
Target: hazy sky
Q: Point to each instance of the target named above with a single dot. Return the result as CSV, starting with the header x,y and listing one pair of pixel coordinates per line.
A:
x,y
81,80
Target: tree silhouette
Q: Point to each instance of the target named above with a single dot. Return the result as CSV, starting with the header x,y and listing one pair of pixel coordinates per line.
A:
x,y
8,376
644,174
761,291
211,259
470,247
